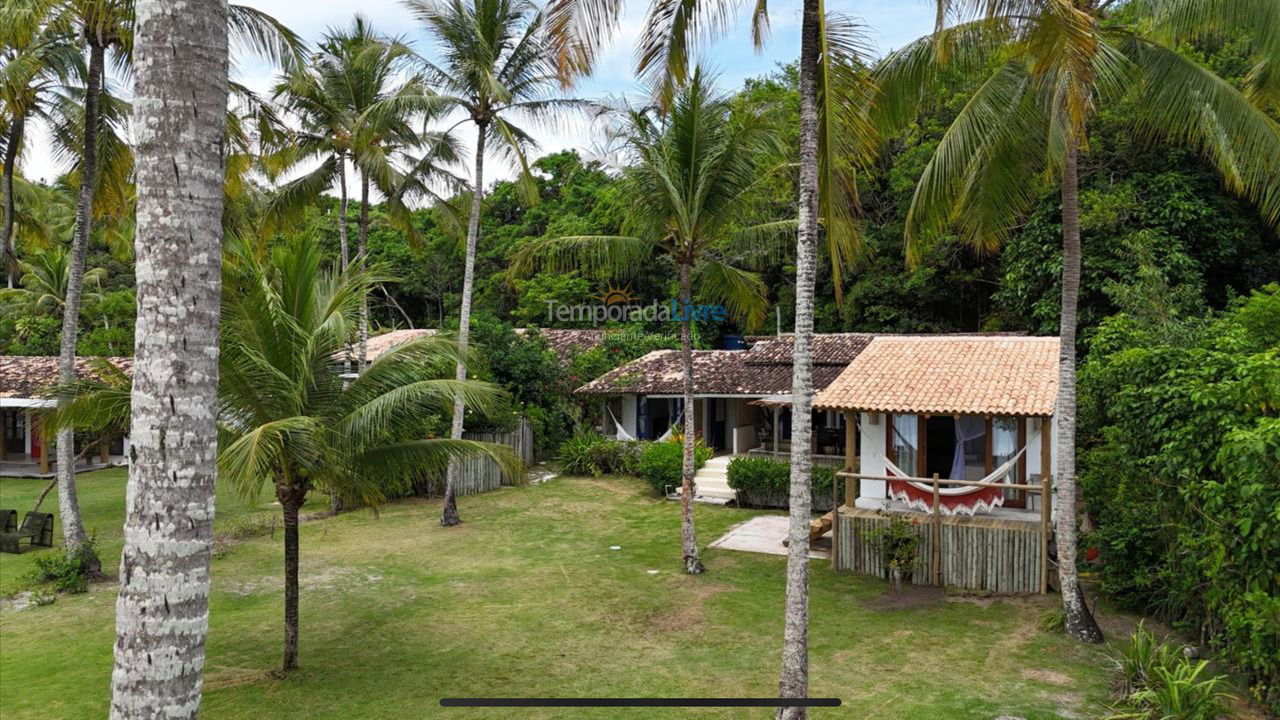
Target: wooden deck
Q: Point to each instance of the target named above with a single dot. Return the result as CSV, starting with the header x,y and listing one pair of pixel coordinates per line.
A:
x,y
987,553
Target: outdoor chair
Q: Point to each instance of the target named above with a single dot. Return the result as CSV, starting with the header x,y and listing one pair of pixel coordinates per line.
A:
x,y
36,527
8,520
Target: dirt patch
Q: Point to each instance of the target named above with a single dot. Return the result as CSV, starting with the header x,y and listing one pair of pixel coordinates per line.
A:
x,y
329,578
911,597
689,615
1047,676
223,678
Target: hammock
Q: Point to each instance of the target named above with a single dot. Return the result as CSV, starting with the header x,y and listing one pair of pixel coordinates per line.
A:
x,y
622,433
952,499
670,428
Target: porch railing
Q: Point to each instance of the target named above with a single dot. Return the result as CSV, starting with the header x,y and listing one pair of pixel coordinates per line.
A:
x,y
935,514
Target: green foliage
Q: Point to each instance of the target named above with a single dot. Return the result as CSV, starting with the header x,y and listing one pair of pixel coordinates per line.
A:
x,y
662,463
1181,449
67,571
1158,682
1053,621
761,481
897,544
590,453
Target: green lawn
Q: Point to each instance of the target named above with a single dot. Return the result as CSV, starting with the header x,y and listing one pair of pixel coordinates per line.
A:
x,y
527,599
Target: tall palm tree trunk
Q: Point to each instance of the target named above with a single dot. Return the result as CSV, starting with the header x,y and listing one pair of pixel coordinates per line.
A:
x,y
793,681
291,497
73,532
449,513
362,247
1079,621
162,612
12,143
342,209
688,539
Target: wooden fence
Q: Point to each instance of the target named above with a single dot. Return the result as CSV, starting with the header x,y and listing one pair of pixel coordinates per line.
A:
x,y
984,553
479,473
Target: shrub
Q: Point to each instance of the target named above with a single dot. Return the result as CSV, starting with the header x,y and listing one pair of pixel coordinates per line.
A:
x,y
67,571
590,453
761,481
1155,680
662,463
898,546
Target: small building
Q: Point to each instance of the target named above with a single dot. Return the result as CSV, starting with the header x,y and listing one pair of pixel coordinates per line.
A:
x,y
741,397
956,436
25,450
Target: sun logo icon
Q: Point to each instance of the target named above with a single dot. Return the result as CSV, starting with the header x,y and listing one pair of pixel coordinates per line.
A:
x,y
616,295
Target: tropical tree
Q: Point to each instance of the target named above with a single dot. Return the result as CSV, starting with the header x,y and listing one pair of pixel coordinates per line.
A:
x,y
162,612
693,172
286,414
353,106
45,276
105,28
494,66
39,62
1046,67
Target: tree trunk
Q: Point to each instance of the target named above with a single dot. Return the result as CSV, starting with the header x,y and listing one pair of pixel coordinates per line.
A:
x,y
793,680
1079,621
73,533
162,612
449,513
13,142
291,498
688,539
342,209
362,249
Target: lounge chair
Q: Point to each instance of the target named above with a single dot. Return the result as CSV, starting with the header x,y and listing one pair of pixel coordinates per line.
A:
x,y
36,527
8,520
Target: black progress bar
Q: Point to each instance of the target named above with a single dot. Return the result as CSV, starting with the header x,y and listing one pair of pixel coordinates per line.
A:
x,y
639,702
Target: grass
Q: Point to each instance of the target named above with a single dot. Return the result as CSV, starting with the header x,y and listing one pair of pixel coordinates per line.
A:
x,y
527,599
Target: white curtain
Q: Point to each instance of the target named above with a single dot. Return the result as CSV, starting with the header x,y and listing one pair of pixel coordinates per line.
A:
x,y
905,442
968,429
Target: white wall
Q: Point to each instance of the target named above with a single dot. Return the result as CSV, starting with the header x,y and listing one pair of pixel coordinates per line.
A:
x,y
629,419
871,457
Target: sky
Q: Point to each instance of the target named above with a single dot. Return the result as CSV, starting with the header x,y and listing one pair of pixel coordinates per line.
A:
x,y
889,24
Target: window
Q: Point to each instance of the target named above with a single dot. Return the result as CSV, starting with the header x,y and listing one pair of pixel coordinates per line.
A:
x,y
904,443
1005,440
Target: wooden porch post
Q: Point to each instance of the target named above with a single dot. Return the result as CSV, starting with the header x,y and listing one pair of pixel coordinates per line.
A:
x,y
777,420
851,488
44,450
1046,502
937,534
104,451
4,430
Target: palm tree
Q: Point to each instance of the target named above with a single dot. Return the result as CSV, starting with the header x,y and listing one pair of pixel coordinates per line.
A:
x,y
38,64
163,608
495,66
353,107
105,27
286,415
1048,64
687,190
45,276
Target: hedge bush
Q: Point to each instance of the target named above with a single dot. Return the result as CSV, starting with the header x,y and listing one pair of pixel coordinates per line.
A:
x,y
662,463
767,483
590,453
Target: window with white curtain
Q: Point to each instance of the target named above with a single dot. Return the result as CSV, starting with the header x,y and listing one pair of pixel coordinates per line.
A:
x,y
1004,445
906,438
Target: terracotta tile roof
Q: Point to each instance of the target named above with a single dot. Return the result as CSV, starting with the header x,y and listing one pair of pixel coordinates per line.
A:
x,y
24,376
379,344
949,374
764,369
567,342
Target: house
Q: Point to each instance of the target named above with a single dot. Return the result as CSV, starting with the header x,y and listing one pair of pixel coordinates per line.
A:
x,y
24,448
956,435
741,397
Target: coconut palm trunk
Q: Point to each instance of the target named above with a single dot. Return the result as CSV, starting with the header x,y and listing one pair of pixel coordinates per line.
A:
x,y
73,532
449,513
1080,623
11,145
362,247
688,538
162,611
793,680
291,496
342,210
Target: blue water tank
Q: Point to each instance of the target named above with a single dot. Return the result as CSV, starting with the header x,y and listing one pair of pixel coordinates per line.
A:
x,y
734,342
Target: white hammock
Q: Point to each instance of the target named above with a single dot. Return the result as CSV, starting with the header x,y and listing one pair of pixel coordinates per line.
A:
x,y
622,433
981,506
667,435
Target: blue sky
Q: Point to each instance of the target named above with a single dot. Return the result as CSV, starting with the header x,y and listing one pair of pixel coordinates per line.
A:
x,y
889,25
